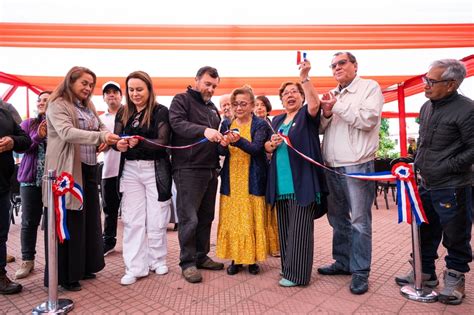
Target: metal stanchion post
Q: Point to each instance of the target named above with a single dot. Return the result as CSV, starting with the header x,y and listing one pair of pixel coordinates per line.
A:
x,y
53,305
417,292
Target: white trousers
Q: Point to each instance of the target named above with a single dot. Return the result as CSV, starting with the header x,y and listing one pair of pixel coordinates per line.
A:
x,y
144,219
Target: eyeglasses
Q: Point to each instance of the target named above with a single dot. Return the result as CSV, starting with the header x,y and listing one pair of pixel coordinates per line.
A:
x,y
136,120
431,82
286,93
241,104
339,63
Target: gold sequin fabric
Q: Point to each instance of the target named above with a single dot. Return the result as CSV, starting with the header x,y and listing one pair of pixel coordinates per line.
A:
x,y
241,233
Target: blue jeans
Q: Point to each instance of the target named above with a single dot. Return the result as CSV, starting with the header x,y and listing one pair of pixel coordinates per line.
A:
x,y
4,227
450,219
350,215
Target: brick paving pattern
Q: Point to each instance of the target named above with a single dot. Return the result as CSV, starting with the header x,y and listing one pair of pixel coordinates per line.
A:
x,y
243,293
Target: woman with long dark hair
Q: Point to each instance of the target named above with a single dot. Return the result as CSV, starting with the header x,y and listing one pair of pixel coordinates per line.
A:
x,y
145,179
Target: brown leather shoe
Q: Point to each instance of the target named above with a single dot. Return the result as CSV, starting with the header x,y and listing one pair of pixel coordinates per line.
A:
x,y
9,287
210,265
192,275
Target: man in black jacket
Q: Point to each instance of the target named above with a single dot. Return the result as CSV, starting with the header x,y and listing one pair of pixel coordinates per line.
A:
x,y
12,137
444,157
192,117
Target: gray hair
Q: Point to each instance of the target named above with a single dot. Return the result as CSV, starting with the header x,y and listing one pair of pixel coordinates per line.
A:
x,y
351,57
454,69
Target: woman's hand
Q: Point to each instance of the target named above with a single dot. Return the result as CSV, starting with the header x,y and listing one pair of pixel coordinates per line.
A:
x,y
275,140
233,137
272,144
102,147
225,141
133,142
111,138
42,129
122,145
305,66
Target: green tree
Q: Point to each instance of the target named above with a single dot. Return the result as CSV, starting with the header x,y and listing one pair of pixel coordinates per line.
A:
x,y
386,145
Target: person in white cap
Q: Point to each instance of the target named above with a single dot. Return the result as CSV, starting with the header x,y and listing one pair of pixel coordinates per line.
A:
x,y
112,94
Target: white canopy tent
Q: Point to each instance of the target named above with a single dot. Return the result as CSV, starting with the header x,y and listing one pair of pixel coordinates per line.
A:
x,y
30,61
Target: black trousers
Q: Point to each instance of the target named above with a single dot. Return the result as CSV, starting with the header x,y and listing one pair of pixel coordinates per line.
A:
x,y
31,211
84,252
110,205
449,213
4,227
196,200
296,233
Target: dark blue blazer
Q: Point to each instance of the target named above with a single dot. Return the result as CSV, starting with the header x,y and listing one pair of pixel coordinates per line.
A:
x,y
308,179
259,131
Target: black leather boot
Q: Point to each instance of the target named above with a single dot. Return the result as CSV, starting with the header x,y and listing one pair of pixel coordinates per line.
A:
x,y
9,287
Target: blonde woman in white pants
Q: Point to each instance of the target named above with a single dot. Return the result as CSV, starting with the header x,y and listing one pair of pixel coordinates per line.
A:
x,y
145,179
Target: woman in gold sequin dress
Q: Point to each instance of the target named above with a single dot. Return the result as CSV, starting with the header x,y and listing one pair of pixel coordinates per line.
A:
x,y
241,233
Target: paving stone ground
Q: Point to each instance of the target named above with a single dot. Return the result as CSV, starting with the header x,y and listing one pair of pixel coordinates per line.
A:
x,y
243,293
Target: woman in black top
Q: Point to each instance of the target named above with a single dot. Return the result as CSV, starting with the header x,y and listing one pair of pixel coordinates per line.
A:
x,y
145,179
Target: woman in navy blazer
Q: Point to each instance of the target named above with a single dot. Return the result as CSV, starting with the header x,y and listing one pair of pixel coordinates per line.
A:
x,y
295,186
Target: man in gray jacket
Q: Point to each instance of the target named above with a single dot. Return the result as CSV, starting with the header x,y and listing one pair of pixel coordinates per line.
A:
x,y
351,122
444,157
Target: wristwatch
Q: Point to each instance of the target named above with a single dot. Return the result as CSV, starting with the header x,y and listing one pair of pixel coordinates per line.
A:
x,y
305,80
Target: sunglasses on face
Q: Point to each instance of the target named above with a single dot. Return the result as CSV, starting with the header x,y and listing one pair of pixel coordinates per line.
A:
x,y
339,63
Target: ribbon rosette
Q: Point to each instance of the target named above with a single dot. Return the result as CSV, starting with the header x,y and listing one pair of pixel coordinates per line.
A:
x,y
407,194
64,184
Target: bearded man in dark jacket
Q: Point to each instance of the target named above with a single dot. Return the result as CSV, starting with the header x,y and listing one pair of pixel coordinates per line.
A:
x,y
194,117
444,157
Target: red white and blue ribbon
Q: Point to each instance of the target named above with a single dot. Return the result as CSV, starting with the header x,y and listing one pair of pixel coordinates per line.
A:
x,y
203,140
407,190
64,184
407,194
298,57
140,138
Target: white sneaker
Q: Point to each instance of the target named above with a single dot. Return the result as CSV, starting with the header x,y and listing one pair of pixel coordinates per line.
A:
x,y
161,270
128,279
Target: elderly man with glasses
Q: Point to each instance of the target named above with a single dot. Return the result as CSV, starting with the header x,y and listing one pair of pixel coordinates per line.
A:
x,y
444,157
350,123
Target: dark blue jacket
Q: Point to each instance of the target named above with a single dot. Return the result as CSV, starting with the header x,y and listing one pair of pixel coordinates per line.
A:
x,y
258,161
308,179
